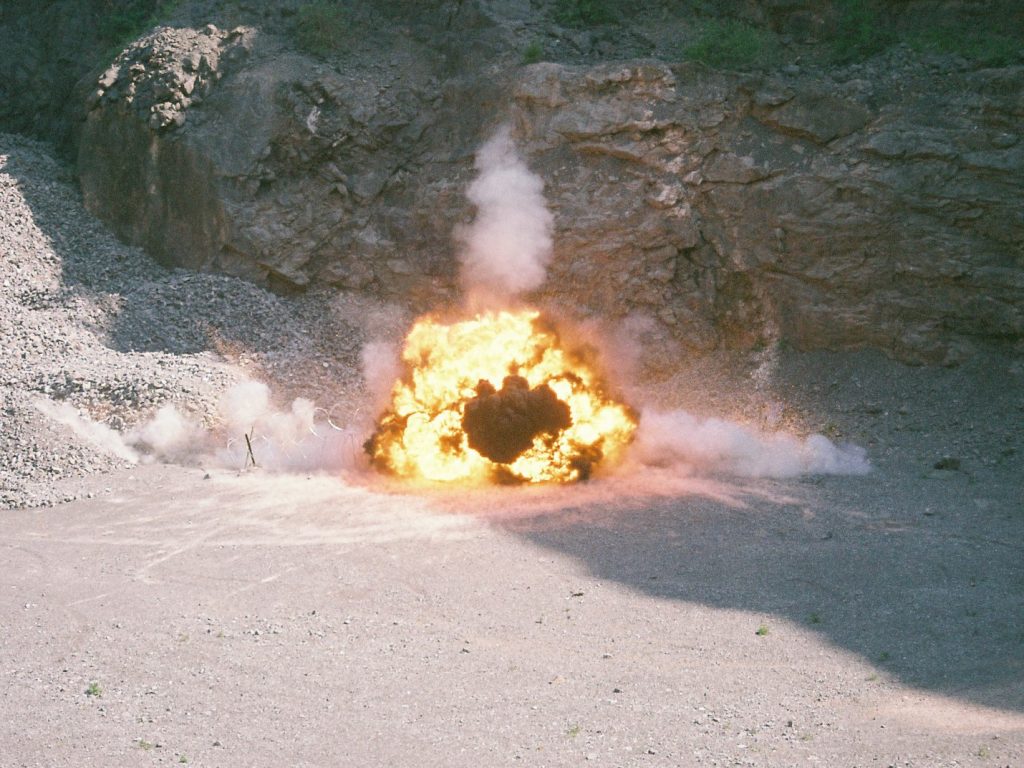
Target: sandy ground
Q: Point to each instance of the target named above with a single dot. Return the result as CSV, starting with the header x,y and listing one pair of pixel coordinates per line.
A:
x,y
242,619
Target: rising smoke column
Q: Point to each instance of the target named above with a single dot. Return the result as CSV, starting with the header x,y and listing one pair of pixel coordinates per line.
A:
x,y
507,248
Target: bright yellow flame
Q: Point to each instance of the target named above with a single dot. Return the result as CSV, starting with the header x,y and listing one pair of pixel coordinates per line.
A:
x,y
421,437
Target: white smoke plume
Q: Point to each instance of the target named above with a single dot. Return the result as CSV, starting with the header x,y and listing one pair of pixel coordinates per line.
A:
x,y
293,440
382,367
168,435
99,435
679,439
507,248
301,438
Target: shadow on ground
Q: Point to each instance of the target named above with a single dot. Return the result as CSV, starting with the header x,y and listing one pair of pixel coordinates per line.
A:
x,y
917,567
926,583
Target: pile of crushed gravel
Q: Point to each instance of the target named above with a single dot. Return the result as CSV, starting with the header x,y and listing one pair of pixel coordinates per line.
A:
x,y
93,324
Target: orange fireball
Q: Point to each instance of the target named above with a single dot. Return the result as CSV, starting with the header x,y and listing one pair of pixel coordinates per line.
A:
x,y
497,399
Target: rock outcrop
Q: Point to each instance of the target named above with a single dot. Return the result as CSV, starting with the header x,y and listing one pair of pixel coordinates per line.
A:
x,y
875,205
828,214
227,151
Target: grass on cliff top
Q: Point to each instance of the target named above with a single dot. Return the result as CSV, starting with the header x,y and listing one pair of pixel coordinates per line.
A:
x,y
868,27
734,44
320,26
861,29
584,13
988,48
533,52
119,22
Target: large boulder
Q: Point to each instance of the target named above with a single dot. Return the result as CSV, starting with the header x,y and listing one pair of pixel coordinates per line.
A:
x,y
225,150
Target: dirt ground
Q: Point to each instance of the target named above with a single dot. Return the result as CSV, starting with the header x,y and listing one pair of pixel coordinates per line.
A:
x,y
238,618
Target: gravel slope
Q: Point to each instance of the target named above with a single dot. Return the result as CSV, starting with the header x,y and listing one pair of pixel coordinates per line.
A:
x,y
97,326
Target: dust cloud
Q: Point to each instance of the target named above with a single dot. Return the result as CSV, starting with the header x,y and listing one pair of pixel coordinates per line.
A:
x,y
715,446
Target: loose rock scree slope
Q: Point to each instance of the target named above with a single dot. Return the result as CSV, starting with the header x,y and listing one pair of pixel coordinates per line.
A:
x,y
96,331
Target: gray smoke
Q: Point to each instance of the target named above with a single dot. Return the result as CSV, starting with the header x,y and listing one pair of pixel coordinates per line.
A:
x,y
92,432
507,248
681,440
381,366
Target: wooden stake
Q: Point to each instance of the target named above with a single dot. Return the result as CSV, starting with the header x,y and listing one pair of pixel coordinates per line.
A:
x,y
248,445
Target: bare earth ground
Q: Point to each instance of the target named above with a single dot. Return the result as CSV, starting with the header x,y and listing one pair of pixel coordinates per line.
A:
x,y
227,618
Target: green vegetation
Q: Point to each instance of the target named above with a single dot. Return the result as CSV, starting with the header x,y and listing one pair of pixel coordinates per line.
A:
x,y
985,47
762,630
144,745
584,13
533,52
734,44
320,26
573,731
864,28
814,618
861,31
121,21
94,689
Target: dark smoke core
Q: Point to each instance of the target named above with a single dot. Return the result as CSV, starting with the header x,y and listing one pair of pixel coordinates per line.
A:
x,y
502,424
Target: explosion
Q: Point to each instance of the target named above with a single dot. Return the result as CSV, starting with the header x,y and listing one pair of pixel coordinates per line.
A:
x,y
497,398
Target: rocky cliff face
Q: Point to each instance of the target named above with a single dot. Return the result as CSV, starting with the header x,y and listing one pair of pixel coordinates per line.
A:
x,y
869,205
827,213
